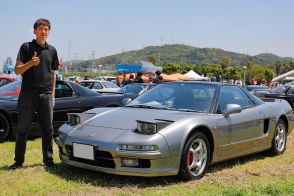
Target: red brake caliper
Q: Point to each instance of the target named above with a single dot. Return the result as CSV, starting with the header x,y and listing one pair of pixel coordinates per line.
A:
x,y
190,158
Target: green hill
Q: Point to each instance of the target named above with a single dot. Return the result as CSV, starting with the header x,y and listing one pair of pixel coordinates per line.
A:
x,y
184,54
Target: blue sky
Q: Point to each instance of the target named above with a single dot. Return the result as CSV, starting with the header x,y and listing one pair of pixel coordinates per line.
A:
x,y
110,26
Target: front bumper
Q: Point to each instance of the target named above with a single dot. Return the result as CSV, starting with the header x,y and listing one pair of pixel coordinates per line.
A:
x,y
108,160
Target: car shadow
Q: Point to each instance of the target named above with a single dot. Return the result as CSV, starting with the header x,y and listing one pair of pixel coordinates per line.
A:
x,y
100,179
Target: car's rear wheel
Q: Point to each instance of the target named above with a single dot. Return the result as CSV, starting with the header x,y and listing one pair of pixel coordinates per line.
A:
x,y
4,127
195,157
280,138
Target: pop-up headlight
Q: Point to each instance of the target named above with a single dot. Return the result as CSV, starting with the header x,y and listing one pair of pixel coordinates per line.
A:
x,y
77,118
146,127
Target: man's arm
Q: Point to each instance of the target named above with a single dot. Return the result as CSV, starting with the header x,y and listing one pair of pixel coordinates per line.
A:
x,y
53,86
21,67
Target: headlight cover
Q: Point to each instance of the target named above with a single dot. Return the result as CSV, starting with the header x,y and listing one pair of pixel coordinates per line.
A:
x,y
145,127
78,118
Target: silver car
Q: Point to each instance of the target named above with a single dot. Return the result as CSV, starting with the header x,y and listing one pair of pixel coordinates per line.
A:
x,y
175,129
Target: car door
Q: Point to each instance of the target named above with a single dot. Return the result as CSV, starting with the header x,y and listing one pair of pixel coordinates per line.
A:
x,y
66,101
238,133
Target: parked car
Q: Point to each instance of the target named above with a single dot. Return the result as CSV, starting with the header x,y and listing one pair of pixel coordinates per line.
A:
x,y
69,97
283,92
133,90
106,78
258,90
100,86
175,129
6,80
74,79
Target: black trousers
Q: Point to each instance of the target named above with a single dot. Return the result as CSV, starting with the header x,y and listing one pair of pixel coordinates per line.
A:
x,y
28,104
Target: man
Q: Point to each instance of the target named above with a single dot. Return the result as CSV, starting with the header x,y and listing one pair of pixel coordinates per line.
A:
x,y
158,78
37,62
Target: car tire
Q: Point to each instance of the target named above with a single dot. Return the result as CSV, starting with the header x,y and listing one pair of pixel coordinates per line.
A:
x,y
4,127
279,139
195,157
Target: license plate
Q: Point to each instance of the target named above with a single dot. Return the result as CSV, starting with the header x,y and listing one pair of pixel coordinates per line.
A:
x,y
83,151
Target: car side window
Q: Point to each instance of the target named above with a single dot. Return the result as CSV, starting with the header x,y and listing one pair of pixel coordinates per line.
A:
x,y
63,90
97,85
291,91
233,95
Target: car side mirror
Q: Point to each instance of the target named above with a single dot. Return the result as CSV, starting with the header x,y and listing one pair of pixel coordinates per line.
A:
x,y
232,109
126,101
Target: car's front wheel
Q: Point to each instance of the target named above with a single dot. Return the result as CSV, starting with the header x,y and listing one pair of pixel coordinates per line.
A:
x,y
280,138
4,127
195,157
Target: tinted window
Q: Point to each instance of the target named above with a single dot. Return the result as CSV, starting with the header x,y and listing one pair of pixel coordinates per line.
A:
x,y
291,91
178,96
233,95
109,84
97,85
87,84
3,81
280,89
63,90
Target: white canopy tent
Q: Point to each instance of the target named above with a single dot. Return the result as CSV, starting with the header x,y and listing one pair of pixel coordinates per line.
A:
x,y
195,76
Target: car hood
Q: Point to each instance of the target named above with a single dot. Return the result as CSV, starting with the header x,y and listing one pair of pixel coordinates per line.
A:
x,y
126,117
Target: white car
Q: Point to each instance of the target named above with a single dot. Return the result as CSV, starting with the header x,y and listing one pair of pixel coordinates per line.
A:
x,y
101,86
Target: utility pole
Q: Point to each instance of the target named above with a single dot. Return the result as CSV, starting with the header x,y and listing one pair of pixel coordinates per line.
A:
x,y
93,60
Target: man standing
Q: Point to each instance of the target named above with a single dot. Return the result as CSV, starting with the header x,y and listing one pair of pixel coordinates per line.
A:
x,y
37,62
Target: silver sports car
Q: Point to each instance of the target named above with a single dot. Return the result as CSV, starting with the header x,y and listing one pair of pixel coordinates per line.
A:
x,y
175,129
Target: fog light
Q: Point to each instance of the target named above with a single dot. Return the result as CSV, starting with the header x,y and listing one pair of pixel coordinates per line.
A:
x,y
138,147
129,162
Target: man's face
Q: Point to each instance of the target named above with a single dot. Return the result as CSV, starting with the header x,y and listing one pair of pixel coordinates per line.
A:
x,y
42,32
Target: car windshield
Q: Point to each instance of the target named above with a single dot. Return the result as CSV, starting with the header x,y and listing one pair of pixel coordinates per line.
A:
x,y
87,84
257,88
136,89
10,91
188,97
108,84
280,89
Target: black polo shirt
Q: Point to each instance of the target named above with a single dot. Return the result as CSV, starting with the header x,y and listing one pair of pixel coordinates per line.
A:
x,y
38,78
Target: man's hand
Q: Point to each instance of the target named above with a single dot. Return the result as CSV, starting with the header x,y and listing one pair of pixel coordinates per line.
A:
x,y
35,60
53,101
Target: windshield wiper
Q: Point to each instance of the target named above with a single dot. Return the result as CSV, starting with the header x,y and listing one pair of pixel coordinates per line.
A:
x,y
143,106
186,110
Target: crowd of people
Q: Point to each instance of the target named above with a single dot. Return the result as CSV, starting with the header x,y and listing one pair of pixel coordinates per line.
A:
x,y
138,78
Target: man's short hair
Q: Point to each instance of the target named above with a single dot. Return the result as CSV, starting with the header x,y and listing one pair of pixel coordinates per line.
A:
x,y
42,22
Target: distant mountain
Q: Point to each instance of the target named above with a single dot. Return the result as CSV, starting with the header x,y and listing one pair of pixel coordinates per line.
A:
x,y
184,54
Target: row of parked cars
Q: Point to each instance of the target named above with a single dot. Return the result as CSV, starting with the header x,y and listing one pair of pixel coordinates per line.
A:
x,y
177,128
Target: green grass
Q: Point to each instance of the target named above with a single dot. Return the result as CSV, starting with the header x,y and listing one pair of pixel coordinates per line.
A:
x,y
259,174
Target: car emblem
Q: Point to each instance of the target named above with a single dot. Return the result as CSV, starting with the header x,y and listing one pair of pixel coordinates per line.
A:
x,y
91,134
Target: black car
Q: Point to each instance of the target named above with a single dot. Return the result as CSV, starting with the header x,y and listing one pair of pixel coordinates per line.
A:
x,y
69,98
283,92
258,90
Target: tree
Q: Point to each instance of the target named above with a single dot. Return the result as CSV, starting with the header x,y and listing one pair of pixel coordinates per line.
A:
x,y
170,68
152,59
291,65
278,67
225,62
249,64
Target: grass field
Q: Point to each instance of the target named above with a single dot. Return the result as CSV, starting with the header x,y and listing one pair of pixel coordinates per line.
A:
x,y
260,174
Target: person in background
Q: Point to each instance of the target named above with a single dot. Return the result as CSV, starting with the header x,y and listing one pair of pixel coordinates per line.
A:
x,y
158,78
139,78
37,62
263,82
238,82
